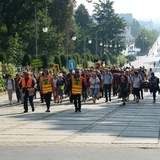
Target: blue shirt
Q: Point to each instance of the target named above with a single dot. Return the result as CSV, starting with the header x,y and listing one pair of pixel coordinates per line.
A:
x,y
107,78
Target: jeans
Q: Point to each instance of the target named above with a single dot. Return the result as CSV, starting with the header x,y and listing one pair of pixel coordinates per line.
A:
x,y
94,92
18,94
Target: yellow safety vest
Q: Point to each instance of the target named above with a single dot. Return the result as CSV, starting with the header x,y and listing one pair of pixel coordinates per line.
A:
x,y
77,85
46,84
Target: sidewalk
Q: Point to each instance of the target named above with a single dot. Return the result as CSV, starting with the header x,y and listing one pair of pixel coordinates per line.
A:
x,y
106,124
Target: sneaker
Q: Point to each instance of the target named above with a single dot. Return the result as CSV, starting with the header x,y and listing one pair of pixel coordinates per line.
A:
x,y
47,110
25,111
33,109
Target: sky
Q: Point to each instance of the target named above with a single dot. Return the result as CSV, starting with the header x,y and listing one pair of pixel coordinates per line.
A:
x,y
141,9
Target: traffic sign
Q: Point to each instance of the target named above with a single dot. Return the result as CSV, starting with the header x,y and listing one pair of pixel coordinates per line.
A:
x,y
71,64
19,68
37,63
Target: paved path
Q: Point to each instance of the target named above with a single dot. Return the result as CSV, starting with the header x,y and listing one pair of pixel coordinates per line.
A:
x,y
100,124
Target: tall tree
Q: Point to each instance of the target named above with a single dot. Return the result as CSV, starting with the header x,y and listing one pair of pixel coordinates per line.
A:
x,y
135,28
109,25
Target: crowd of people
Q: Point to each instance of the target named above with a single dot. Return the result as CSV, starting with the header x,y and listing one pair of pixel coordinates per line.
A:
x,y
79,85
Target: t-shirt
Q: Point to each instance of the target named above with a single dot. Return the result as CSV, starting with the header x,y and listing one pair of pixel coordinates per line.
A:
x,y
10,84
93,81
136,82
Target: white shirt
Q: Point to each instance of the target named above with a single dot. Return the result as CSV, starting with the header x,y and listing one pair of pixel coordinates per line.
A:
x,y
136,82
55,82
149,74
10,84
93,81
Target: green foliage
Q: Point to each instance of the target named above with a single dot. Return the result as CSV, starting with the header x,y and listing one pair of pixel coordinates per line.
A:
x,y
45,62
26,60
20,20
130,58
63,60
82,17
2,80
57,61
3,57
77,58
135,28
121,59
10,69
145,40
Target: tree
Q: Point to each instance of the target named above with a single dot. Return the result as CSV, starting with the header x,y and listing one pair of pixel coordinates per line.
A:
x,y
135,28
84,24
145,40
45,62
57,61
26,60
82,17
63,60
109,25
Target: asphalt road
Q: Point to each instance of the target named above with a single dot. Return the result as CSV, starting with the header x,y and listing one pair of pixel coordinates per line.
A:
x,y
77,153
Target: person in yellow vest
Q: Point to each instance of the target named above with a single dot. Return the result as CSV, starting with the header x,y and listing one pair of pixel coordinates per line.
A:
x,y
46,87
77,85
28,88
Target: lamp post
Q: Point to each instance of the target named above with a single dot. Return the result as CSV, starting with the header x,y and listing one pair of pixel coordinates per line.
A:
x,y
73,38
96,40
35,12
45,29
117,46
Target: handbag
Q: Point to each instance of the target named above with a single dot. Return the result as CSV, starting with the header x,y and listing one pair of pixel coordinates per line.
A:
x,y
31,94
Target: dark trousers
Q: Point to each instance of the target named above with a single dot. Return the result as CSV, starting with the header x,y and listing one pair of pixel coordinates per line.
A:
x,y
136,92
42,97
18,95
47,98
71,98
154,90
107,89
25,104
141,93
84,92
77,101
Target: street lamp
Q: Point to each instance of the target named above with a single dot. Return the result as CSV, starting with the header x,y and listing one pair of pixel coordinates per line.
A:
x,y
116,48
73,38
45,29
96,41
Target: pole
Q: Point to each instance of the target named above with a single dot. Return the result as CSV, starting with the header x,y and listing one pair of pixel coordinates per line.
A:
x,y
96,43
84,42
67,43
143,45
36,31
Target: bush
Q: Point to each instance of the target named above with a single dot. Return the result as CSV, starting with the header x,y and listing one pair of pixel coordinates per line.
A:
x,y
130,58
10,69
